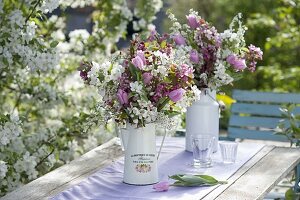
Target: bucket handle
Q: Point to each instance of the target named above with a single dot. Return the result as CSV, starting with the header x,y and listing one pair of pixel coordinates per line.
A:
x,y
162,143
124,143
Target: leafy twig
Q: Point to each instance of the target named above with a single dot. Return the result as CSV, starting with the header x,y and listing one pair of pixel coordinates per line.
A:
x,y
32,10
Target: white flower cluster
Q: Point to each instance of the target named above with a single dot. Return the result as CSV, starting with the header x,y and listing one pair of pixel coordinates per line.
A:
x,y
90,143
3,169
220,77
49,5
10,130
71,152
78,39
136,87
166,122
233,39
182,55
189,98
27,165
18,45
76,3
147,8
145,111
176,26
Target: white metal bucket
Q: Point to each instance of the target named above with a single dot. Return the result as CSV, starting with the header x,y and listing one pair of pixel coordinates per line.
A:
x,y
203,118
140,165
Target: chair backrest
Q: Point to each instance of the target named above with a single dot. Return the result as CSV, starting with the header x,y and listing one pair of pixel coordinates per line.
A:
x,y
255,115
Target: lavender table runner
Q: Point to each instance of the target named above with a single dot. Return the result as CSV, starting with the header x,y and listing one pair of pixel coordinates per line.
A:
x,y
107,184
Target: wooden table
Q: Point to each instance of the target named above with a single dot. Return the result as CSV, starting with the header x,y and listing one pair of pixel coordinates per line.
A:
x,y
252,181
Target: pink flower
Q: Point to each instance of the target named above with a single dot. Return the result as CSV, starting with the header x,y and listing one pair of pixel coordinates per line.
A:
x,y
122,97
147,77
142,56
176,95
161,186
179,39
139,61
238,64
185,72
194,57
192,21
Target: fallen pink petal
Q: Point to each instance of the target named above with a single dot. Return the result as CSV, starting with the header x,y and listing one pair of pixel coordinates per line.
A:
x,y
161,186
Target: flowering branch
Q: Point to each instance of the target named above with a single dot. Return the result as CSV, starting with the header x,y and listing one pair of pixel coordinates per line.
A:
x,y
32,10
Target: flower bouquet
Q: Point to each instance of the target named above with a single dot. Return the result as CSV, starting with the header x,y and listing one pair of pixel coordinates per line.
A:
x,y
140,87
144,84
217,59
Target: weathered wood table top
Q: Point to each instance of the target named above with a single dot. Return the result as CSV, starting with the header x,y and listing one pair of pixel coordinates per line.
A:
x,y
252,181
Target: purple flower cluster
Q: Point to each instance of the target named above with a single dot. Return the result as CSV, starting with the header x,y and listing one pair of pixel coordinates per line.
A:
x,y
208,42
254,54
83,69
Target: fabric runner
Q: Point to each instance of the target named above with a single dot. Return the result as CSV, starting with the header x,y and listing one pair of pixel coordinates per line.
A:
x,y
106,184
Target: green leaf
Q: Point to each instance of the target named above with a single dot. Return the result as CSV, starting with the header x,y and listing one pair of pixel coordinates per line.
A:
x,y
173,113
195,180
208,179
54,44
135,72
176,177
162,102
290,194
163,44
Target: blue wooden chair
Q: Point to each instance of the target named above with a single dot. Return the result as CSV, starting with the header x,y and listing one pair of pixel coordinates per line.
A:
x,y
255,115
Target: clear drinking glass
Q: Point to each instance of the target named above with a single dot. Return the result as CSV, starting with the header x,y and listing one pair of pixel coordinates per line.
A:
x,y
228,151
202,150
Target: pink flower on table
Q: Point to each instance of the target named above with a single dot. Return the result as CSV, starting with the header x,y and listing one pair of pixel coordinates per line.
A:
x,y
194,57
176,95
122,97
179,39
139,61
238,64
192,21
161,186
147,77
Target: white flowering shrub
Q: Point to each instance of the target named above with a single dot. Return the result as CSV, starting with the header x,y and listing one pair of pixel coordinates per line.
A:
x,y
47,116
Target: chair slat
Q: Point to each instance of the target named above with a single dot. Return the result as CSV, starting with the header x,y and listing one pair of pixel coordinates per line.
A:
x,y
254,134
259,109
241,95
243,121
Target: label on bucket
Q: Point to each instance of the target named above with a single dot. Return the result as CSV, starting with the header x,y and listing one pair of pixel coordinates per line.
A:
x,y
143,162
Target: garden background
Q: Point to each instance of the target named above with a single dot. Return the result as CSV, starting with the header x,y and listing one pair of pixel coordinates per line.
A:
x,y
48,117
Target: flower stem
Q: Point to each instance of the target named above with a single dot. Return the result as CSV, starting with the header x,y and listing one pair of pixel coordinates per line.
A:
x,y
32,10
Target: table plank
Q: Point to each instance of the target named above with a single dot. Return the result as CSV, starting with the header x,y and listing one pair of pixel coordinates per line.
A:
x,y
262,153
261,178
68,175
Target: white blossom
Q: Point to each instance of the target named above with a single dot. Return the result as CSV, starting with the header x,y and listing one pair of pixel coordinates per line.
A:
x,y
16,17
90,143
3,169
49,5
27,165
136,87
